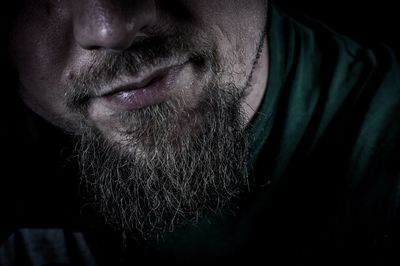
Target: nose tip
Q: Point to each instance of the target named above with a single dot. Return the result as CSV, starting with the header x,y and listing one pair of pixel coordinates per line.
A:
x,y
100,25
118,36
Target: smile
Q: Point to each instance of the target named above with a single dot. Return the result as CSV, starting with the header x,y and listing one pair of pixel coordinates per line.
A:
x,y
150,90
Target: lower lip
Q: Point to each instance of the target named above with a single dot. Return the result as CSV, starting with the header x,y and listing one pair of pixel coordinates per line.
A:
x,y
154,93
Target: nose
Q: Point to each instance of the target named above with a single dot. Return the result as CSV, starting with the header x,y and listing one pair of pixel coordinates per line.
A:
x,y
110,24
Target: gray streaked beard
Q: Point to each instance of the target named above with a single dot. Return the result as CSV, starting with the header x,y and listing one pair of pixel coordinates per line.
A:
x,y
175,166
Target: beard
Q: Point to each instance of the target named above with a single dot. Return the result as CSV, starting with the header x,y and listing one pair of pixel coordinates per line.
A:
x,y
173,167
173,163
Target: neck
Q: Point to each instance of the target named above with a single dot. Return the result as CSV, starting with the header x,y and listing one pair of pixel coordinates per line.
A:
x,y
258,84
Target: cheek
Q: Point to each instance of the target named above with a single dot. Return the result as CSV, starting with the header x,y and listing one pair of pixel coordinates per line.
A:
x,y
37,70
236,18
237,24
238,41
38,50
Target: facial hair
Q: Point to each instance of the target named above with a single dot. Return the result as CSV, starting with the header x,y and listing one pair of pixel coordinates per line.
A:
x,y
170,180
174,163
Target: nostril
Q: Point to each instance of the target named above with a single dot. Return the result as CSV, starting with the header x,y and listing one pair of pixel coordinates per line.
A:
x,y
104,36
92,47
103,26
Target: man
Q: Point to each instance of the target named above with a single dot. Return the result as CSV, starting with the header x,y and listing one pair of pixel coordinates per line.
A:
x,y
196,131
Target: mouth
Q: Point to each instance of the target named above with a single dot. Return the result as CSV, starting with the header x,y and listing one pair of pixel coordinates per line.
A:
x,y
137,93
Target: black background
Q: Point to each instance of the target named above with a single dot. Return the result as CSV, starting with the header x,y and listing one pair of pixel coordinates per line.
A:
x,y
374,22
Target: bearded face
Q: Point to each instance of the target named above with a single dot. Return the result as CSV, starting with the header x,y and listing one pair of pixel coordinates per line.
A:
x,y
159,110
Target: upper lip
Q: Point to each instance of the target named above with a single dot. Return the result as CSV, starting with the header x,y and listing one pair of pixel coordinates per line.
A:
x,y
137,81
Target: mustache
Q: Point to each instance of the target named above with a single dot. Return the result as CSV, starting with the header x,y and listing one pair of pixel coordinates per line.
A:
x,y
146,53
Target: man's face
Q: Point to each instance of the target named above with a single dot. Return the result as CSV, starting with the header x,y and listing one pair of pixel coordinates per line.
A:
x,y
149,80
172,45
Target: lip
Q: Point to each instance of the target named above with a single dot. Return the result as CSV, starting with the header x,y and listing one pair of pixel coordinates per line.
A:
x,y
147,91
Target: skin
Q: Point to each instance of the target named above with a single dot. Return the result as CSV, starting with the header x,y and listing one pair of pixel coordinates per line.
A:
x,y
54,41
